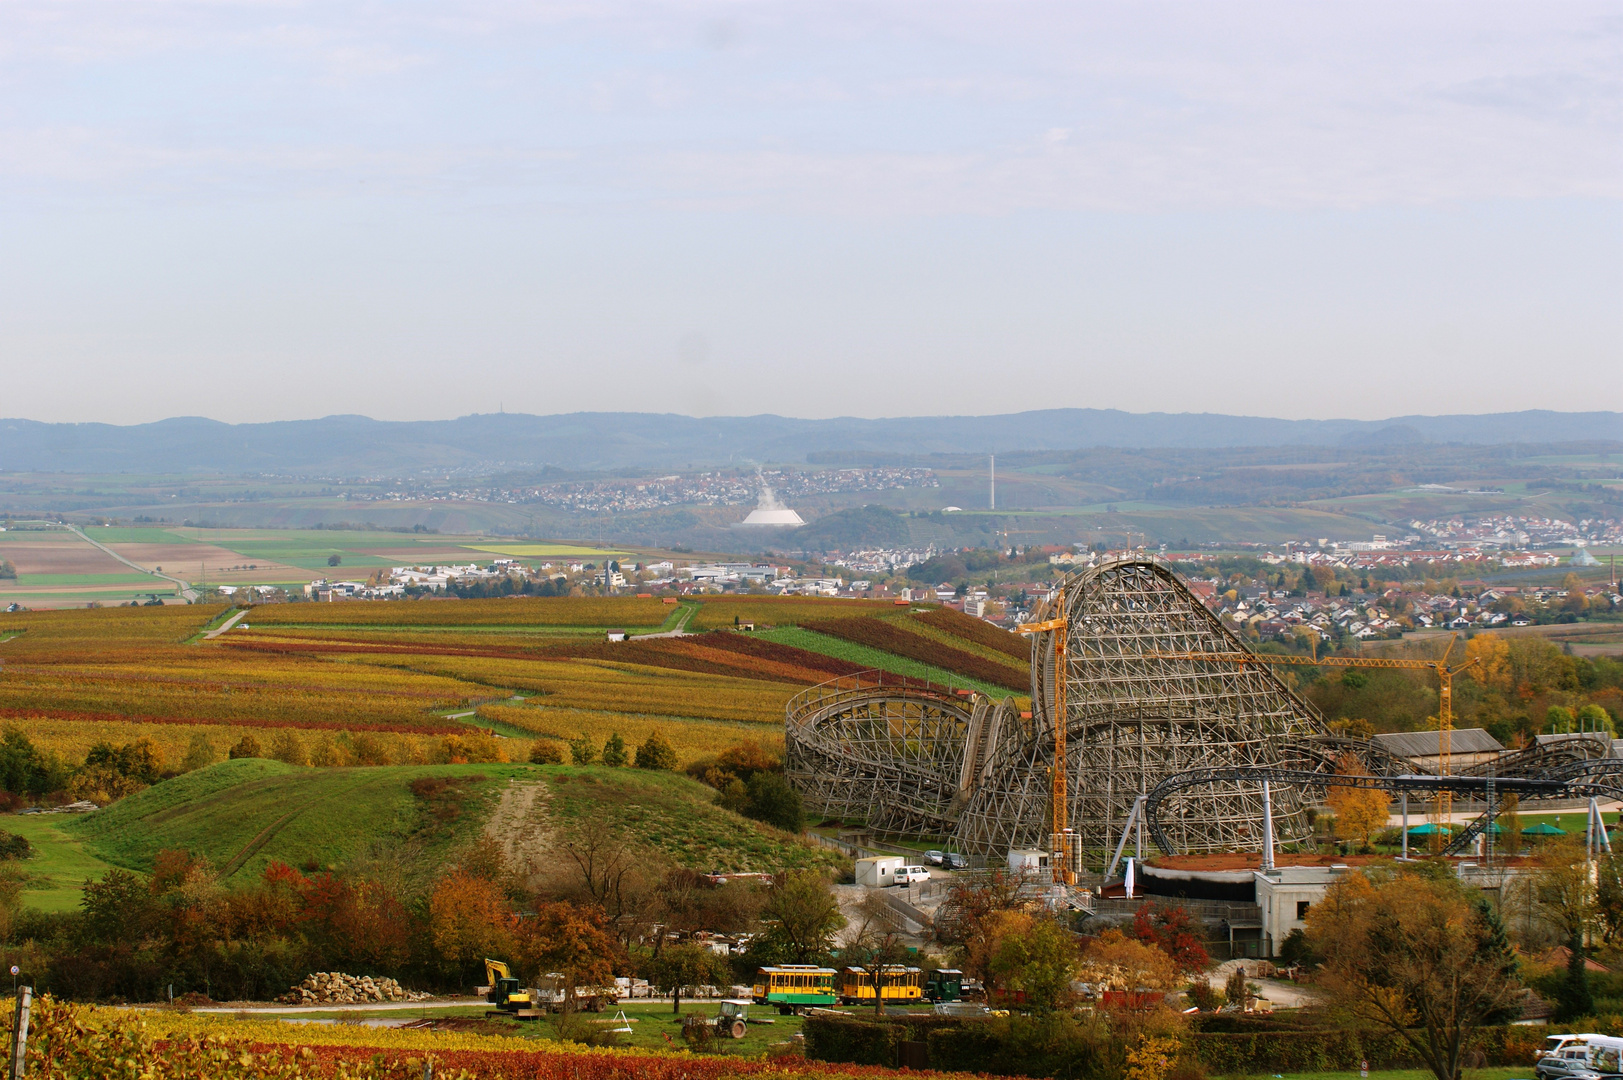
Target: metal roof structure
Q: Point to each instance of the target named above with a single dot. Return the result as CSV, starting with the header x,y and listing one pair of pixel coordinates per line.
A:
x,y
1419,744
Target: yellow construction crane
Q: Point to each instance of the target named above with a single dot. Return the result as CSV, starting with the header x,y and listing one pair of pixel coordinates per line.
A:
x,y
1060,848
1445,694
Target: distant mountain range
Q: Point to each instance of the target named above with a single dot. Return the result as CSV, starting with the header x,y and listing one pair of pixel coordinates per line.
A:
x,y
491,443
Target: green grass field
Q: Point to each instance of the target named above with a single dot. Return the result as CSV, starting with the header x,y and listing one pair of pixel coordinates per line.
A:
x,y
650,1022
550,551
245,813
60,864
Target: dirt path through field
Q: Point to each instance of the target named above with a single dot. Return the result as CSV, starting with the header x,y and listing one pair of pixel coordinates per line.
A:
x,y
520,824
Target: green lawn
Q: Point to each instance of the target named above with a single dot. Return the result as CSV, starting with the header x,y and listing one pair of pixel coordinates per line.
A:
x,y
60,863
245,813
650,1023
875,658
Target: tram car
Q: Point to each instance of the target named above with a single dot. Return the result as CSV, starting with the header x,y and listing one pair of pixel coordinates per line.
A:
x,y
792,987
897,986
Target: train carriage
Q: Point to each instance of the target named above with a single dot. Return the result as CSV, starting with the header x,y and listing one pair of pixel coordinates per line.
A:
x,y
792,987
897,986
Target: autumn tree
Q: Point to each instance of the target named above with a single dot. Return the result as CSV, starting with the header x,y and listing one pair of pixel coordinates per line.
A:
x,y
656,752
1114,961
1359,811
801,918
605,871
1564,894
1169,928
687,965
971,918
572,941
1492,658
469,919
1038,965
1414,953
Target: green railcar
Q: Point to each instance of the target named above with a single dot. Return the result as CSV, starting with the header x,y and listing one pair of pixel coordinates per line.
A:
x,y
794,986
944,984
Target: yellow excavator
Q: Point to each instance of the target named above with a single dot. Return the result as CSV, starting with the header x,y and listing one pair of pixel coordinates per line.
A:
x,y
504,991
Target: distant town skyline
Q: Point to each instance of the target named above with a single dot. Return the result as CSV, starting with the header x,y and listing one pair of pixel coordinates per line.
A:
x,y
260,213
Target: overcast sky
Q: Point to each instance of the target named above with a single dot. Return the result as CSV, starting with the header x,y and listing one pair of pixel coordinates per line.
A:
x,y
274,210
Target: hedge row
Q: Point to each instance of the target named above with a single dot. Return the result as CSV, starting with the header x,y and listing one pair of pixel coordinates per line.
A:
x,y
1057,1048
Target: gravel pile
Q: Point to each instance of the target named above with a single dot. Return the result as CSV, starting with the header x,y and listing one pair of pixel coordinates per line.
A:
x,y
336,988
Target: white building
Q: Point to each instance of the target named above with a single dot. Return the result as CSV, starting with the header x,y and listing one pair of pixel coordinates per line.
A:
x,y
880,870
1285,896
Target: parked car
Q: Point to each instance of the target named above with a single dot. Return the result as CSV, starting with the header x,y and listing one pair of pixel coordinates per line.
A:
x,y
1565,1064
955,861
910,874
933,858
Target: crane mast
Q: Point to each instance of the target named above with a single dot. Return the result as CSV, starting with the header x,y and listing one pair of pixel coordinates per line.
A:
x,y
1060,845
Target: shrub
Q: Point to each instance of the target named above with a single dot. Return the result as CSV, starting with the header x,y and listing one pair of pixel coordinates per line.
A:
x,y
614,751
546,752
581,751
247,747
773,801
13,846
656,753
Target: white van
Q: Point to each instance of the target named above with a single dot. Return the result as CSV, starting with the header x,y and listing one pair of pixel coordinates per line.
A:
x,y
1605,1053
907,875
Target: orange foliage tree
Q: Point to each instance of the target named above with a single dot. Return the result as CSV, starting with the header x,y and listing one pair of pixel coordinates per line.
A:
x,y
574,942
469,919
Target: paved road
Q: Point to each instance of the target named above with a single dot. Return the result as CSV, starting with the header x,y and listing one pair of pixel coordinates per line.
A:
x,y
370,1006
677,631
228,624
187,593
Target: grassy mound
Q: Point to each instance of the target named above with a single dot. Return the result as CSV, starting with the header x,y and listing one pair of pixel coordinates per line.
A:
x,y
243,814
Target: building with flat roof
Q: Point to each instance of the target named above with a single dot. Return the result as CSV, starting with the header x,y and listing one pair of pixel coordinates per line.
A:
x,y
1285,896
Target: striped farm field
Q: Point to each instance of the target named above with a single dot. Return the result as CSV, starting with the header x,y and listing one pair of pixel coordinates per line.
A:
x,y
408,675
720,612
865,658
619,687
891,638
592,612
691,739
979,631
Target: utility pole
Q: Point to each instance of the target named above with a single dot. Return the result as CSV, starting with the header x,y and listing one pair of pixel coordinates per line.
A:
x,y
991,477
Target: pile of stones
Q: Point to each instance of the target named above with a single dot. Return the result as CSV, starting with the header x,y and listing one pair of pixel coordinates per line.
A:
x,y
336,988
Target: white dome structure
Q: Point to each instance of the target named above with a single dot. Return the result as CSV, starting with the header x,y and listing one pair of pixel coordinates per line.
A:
x,y
782,516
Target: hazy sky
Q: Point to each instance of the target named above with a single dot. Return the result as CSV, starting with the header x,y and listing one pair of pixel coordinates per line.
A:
x,y
271,210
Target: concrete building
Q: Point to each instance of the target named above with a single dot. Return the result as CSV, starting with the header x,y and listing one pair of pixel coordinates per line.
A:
x,y
1285,896
879,871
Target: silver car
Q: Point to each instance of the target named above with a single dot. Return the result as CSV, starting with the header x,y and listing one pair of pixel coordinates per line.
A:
x,y
1568,1063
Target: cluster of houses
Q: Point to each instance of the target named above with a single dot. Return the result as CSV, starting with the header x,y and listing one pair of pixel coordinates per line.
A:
x,y
720,488
1274,614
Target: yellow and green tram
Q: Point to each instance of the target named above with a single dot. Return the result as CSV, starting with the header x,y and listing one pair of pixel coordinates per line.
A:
x,y
897,986
794,986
